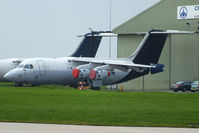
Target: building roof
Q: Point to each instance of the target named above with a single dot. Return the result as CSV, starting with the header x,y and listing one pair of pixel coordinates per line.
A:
x,y
162,15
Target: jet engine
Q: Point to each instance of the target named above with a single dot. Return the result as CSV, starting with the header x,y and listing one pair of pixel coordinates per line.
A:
x,y
80,73
99,74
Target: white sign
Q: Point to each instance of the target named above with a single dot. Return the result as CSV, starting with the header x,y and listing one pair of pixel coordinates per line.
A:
x,y
188,12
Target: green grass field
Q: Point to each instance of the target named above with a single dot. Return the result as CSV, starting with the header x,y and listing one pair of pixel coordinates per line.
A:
x,y
57,104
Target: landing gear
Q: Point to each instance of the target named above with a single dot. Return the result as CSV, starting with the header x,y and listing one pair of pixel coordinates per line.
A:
x,y
95,88
18,84
94,85
91,85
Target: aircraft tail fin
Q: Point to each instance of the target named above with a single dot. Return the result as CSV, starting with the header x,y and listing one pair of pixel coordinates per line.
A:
x,y
88,46
150,49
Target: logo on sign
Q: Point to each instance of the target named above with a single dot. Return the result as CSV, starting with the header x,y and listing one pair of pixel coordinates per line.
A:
x,y
183,12
197,8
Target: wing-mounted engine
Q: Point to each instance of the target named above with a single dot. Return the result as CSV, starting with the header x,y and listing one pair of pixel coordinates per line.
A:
x,y
80,73
83,71
100,72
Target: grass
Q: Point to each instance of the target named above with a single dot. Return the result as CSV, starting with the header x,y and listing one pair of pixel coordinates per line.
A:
x,y
57,104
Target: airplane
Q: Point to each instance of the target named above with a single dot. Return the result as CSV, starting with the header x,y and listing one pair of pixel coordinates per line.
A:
x,y
94,71
87,48
8,64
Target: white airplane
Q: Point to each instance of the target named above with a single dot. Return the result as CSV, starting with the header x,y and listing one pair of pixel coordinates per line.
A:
x,y
96,72
89,41
8,64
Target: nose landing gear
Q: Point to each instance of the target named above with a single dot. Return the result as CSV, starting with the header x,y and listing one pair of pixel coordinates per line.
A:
x,y
18,84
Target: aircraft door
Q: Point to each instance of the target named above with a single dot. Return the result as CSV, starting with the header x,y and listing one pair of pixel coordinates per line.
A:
x,y
42,68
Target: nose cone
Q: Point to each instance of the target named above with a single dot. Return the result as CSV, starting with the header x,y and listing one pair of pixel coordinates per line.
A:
x,y
9,76
12,75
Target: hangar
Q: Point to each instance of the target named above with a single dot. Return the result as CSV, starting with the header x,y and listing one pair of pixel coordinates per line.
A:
x,y
181,52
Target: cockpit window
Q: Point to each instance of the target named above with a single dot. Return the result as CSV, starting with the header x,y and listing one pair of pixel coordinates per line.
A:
x,y
29,66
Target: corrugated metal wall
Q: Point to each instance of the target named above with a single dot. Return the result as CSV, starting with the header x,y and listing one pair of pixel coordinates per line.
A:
x,y
180,54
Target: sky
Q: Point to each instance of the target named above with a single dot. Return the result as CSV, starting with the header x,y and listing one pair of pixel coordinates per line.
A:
x,y
49,28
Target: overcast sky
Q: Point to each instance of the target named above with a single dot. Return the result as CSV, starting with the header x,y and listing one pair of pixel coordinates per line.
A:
x,y
49,28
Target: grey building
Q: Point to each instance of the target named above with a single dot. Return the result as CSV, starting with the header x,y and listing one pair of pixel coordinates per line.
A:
x,y
181,52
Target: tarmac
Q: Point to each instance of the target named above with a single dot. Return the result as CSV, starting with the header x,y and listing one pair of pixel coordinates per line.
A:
x,y
7,127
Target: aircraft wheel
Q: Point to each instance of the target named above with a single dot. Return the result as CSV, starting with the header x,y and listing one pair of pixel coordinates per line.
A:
x,y
18,84
95,88
184,90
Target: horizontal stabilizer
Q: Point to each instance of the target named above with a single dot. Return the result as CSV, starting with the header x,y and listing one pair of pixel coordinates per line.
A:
x,y
160,32
158,68
101,33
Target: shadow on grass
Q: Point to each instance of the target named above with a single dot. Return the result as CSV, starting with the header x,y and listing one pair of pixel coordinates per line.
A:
x,y
11,84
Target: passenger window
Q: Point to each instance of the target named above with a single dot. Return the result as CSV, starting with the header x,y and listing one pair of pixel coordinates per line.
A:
x,y
31,66
27,66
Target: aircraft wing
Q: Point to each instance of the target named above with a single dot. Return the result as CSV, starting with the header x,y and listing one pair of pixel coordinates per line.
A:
x,y
113,63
